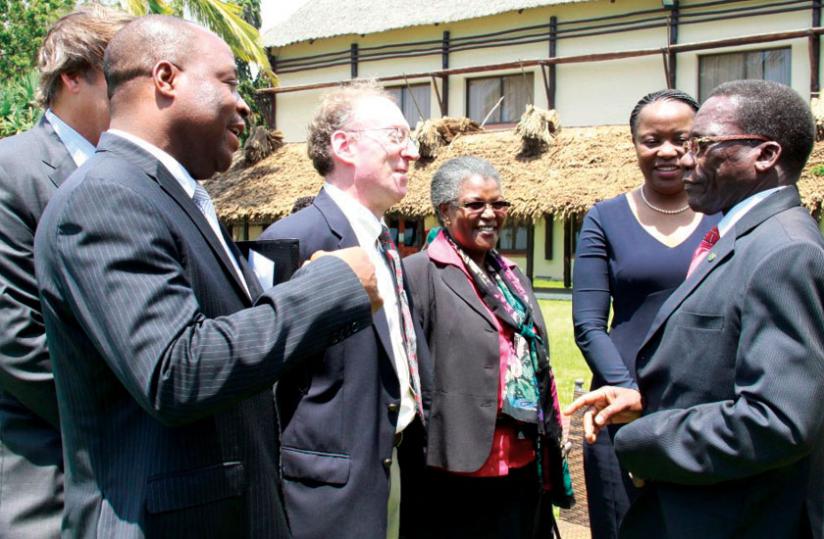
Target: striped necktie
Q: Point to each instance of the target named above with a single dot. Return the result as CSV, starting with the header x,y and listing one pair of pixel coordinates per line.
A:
x,y
204,203
703,248
408,330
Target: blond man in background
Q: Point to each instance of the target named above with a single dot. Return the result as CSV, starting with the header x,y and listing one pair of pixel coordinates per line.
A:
x,y
32,165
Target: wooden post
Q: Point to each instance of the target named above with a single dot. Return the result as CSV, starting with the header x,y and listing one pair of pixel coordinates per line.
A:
x,y
444,99
268,103
569,230
672,39
553,52
530,252
353,60
815,51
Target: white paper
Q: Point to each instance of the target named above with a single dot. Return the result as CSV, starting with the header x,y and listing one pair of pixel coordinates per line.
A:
x,y
263,267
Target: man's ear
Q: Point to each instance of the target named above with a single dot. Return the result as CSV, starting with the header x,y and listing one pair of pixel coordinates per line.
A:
x,y
164,75
768,156
342,147
71,81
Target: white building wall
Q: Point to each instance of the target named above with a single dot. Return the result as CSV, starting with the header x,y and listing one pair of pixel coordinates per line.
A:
x,y
596,93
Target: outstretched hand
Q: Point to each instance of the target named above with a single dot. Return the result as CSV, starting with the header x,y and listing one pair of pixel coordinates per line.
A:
x,y
605,406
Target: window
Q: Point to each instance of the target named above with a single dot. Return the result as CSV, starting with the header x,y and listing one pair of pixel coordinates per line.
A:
x,y
482,94
713,69
410,99
512,238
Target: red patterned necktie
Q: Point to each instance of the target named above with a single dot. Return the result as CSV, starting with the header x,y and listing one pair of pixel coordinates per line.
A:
x,y
407,328
703,248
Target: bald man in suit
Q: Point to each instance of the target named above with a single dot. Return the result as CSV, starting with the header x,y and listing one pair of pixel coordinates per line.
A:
x,y
163,345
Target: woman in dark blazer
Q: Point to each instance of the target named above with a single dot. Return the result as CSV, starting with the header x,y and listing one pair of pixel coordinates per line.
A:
x,y
494,431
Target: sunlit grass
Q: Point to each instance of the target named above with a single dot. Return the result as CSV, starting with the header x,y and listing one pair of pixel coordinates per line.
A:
x,y
539,282
567,362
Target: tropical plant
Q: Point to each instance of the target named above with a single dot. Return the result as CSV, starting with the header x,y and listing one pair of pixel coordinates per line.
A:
x,y
225,18
23,24
18,104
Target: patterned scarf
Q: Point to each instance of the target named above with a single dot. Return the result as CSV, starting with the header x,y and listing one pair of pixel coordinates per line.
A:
x,y
529,394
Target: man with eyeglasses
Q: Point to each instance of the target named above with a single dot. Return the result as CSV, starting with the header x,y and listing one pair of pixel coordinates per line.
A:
x,y
349,412
728,438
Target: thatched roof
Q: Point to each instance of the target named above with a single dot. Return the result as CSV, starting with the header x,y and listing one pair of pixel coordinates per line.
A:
x,y
581,167
327,18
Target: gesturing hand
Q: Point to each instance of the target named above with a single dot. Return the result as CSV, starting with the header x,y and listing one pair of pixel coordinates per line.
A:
x,y
604,406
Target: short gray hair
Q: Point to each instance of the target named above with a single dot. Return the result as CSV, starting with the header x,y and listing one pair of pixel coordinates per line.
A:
x,y
448,179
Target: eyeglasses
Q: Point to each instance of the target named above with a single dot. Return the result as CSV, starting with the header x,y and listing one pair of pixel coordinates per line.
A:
x,y
394,135
479,206
699,145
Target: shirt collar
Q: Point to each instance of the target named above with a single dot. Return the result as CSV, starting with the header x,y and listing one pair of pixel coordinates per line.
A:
x,y
358,215
737,212
174,167
76,144
441,251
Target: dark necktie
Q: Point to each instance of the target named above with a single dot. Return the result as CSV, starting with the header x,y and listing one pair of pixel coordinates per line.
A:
x,y
407,328
703,248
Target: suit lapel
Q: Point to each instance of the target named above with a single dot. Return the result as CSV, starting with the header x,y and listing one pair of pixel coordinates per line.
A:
x,y
340,227
57,162
723,250
457,281
155,170
255,289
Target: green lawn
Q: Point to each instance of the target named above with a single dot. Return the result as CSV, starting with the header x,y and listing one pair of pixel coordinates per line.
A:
x,y
538,282
567,361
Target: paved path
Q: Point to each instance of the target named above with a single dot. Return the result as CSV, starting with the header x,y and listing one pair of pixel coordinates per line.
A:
x,y
554,293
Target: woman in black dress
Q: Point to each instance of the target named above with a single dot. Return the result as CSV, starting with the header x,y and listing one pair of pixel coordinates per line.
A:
x,y
633,251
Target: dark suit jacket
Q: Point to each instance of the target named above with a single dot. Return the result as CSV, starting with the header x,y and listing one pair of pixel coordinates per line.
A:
x,y
463,341
163,367
32,166
338,413
731,373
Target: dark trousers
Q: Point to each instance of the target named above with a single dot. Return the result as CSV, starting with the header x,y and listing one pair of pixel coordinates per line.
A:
x,y
455,506
609,490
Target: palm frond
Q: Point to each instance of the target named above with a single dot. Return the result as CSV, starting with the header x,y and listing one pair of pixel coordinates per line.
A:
x,y
225,19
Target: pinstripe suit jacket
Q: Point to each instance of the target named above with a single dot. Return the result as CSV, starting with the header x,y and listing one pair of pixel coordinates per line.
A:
x,y
163,367
32,166
732,372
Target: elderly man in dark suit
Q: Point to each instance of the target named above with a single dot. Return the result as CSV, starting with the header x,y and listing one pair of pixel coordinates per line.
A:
x,y
729,441
32,166
164,348
345,413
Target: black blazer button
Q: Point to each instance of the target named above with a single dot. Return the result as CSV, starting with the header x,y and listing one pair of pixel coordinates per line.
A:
x,y
387,463
393,407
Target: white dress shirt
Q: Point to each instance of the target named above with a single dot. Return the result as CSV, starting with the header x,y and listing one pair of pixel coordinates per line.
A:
x,y
78,147
368,229
186,182
737,212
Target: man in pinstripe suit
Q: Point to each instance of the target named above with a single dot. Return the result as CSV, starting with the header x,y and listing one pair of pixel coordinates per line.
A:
x,y
163,360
